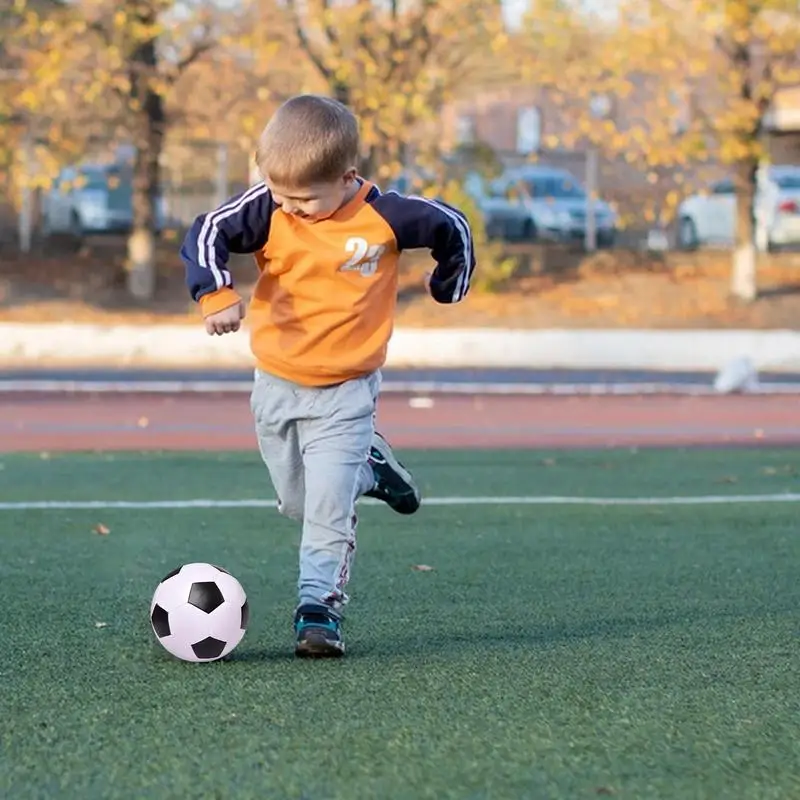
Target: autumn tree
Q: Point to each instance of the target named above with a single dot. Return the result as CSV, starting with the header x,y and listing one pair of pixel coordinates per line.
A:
x,y
732,59
8,62
697,78
14,48
395,63
111,72
8,88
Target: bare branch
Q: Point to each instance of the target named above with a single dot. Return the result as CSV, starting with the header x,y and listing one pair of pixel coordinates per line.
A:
x,y
393,11
724,47
366,20
330,32
102,31
196,51
418,38
316,59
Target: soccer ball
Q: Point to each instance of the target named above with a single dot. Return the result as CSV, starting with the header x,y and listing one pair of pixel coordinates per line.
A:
x,y
199,612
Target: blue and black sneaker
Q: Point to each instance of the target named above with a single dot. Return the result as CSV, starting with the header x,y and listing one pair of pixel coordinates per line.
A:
x,y
319,632
394,484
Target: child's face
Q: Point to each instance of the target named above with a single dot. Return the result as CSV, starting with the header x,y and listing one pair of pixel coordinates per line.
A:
x,y
318,200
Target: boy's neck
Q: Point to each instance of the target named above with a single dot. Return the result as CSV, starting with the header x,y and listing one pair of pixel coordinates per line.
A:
x,y
352,191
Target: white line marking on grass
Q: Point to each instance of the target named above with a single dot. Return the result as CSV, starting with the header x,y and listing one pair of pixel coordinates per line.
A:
x,y
699,500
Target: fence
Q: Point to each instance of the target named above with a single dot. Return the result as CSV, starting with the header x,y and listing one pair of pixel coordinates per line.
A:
x,y
198,174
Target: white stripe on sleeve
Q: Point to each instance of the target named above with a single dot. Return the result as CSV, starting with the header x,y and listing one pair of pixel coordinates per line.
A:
x,y
206,252
462,284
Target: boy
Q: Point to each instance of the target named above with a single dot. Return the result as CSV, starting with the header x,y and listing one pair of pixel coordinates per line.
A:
x,y
326,243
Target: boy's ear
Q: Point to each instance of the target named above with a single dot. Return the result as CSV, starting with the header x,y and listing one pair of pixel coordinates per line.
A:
x,y
350,175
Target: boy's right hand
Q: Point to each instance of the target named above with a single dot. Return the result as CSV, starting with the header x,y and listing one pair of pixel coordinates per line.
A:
x,y
227,320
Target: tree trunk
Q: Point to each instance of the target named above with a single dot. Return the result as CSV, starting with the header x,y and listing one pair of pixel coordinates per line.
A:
x,y
740,29
148,122
744,269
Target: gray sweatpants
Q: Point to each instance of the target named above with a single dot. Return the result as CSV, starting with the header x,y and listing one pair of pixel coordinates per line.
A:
x,y
315,443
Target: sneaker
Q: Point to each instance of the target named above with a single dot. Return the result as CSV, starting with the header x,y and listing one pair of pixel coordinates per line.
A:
x,y
319,632
394,484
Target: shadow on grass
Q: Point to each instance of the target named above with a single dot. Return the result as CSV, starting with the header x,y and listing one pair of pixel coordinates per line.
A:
x,y
440,636
445,638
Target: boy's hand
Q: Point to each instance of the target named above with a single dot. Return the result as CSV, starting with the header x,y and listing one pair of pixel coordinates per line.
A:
x,y
226,321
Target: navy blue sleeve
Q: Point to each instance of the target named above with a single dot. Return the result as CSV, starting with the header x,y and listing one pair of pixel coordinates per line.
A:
x,y
241,225
419,222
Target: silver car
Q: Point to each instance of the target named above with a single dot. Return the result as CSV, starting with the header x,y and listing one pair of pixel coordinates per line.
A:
x,y
90,199
535,202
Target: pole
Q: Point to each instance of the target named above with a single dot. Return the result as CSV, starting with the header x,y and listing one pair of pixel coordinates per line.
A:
x,y
25,220
591,194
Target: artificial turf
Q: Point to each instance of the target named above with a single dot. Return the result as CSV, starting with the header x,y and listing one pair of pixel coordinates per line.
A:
x,y
552,652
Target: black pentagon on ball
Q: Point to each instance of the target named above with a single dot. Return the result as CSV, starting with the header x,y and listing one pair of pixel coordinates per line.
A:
x,y
209,648
206,596
221,569
245,615
160,621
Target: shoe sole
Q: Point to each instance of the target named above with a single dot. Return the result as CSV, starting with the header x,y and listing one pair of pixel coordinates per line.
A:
x,y
319,646
385,449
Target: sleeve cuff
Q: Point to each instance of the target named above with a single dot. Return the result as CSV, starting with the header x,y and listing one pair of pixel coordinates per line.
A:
x,y
216,301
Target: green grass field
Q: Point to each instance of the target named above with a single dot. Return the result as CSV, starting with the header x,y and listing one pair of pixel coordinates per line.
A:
x,y
555,651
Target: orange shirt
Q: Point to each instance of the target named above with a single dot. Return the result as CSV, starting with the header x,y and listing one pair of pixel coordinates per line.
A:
x,y
323,306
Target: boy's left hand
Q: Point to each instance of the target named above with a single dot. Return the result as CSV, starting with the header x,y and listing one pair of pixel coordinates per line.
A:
x,y
228,320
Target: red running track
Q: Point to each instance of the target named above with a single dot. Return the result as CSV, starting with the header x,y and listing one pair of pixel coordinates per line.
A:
x,y
54,422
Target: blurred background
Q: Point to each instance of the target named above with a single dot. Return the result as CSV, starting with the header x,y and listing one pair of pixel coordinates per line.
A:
x,y
627,161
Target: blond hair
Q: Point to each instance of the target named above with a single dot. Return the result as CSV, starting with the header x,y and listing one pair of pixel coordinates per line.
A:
x,y
310,139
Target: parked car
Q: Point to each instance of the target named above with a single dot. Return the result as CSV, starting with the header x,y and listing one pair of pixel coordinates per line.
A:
x,y
536,202
91,199
710,218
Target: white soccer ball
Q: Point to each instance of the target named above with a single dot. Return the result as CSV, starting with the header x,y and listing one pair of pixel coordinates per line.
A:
x,y
199,612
